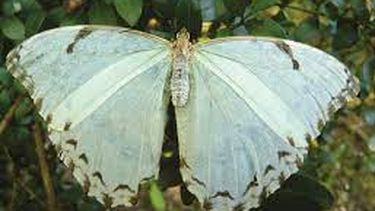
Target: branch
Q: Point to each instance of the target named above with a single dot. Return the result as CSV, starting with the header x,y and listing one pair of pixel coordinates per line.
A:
x,y
8,116
44,169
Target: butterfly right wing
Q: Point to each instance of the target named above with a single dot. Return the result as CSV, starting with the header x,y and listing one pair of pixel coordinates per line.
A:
x,y
102,91
255,103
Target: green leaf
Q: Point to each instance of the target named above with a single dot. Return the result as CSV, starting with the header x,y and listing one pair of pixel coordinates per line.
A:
x,y
258,5
308,31
269,27
360,9
129,10
11,7
13,28
5,78
347,33
34,21
367,76
101,13
236,7
156,197
5,100
55,16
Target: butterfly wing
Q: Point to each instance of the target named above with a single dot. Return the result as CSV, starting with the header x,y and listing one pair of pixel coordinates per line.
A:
x,y
254,105
102,92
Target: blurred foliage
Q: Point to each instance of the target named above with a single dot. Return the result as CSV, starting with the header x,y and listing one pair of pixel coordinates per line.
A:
x,y
339,173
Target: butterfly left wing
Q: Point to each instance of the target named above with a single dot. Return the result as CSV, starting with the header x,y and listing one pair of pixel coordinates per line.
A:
x,y
103,92
253,106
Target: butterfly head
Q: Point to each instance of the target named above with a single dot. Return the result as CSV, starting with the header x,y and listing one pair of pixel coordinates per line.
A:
x,y
183,34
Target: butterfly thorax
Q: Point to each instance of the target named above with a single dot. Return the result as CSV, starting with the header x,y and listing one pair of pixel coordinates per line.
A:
x,y
179,83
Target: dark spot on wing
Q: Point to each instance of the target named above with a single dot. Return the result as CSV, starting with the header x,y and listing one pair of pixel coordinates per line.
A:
x,y
207,205
283,154
38,103
49,119
84,158
71,166
183,163
124,187
268,169
134,200
263,195
108,201
86,184
145,179
282,177
72,142
239,207
99,176
198,181
288,51
320,124
291,141
298,162
58,150
295,64
224,194
83,33
67,126
124,31
308,138
252,183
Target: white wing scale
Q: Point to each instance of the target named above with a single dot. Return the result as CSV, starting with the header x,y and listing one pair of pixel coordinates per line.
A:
x,y
103,93
255,103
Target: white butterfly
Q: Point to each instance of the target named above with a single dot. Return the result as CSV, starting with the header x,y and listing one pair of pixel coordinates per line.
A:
x,y
246,108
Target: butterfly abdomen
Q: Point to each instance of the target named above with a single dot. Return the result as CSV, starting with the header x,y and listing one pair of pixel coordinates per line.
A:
x,y
180,81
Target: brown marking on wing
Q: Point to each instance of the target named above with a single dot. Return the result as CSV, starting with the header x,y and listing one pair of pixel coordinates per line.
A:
x,y
83,33
183,163
268,169
239,207
253,183
291,141
225,194
84,158
38,103
263,195
288,50
124,187
72,142
308,138
134,200
107,200
320,125
198,181
67,126
49,119
282,177
207,205
99,176
86,184
283,154
146,179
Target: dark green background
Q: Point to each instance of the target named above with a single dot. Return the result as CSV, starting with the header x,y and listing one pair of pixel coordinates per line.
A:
x,y
339,173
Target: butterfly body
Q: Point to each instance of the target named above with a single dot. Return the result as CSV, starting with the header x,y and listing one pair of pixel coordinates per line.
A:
x,y
180,84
